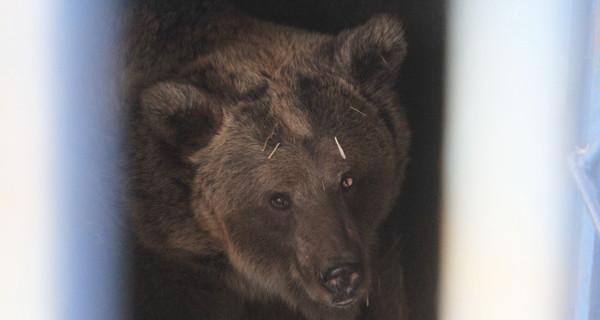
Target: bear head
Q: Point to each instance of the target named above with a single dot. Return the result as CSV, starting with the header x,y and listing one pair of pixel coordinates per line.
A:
x,y
282,153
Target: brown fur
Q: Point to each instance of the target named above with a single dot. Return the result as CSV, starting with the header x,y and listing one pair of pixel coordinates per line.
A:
x,y
226,111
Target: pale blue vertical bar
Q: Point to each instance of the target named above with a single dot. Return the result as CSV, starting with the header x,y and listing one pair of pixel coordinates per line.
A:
x,y
91,224
593,161
585,163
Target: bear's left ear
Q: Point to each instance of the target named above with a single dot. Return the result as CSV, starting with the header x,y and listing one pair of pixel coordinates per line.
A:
x,y
369,55
180,115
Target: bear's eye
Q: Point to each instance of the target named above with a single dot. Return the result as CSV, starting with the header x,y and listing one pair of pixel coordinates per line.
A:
x,y
280,201
347,183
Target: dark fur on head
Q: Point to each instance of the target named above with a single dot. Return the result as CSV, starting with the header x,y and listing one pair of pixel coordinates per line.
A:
x,y
226,113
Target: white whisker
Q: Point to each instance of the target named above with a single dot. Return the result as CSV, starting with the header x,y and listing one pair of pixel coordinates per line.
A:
x,y
274,149
340,148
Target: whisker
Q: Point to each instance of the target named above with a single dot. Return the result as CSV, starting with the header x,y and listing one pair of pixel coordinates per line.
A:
x,y
340,148
274,149
269,137
353,108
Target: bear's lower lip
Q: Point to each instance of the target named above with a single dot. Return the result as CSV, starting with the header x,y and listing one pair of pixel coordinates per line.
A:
x,y
344,303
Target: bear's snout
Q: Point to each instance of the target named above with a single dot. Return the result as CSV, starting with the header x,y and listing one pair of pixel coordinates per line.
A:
x,y
342,281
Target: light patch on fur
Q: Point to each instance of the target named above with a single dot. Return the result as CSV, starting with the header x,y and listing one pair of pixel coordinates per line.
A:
x,y
367,300
258,283
342,153
293,121
274,149
296,122
287,57
323,184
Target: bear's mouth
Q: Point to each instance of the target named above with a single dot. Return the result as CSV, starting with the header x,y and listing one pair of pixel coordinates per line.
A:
x,y
343,302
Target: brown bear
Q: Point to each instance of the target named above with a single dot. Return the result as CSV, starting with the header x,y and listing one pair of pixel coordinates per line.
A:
x,y
263,160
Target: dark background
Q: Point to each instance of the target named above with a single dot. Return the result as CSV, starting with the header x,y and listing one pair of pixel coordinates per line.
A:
x,y
421,88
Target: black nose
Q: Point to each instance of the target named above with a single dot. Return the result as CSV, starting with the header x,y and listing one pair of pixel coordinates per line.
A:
x,y
342,280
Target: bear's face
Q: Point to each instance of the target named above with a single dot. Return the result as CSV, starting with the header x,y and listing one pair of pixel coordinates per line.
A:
x,y
296,200
292,170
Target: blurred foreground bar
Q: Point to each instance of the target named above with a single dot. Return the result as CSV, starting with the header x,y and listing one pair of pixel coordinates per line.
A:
x,y
507,223
61,226
28,141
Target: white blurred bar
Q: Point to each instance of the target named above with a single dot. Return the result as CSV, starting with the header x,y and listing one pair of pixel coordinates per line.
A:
x,y
506,227
60,227
27,141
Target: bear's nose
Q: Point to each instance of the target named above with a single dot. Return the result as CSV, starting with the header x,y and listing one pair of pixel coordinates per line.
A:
x,y
342,280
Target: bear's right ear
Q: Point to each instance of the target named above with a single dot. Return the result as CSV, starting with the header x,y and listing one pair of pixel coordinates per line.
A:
x,y
369,55
180,115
